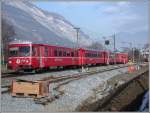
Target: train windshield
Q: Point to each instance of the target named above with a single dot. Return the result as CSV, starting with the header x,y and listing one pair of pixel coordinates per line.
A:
x,y
13,51
19,51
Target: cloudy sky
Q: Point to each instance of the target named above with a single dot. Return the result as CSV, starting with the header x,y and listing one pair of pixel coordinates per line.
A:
x,y
128,20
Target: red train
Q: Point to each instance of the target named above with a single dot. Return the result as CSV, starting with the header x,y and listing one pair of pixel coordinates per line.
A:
x,y
30,56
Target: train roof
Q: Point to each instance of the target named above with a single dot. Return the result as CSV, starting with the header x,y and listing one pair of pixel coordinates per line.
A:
x,y
87,49
20,42
28,42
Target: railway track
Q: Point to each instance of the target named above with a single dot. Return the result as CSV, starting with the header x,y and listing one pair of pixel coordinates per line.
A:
x,y
19,74
82,74
62,80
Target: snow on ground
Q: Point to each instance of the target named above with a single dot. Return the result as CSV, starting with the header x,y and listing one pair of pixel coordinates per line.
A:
x,y
76,92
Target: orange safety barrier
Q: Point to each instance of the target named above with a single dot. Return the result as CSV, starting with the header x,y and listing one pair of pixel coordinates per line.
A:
x,y
131,69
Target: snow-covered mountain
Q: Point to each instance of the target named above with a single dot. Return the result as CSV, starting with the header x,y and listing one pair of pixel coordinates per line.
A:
x,y
34,24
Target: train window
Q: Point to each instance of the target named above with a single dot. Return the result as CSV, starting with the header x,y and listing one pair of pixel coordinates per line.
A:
x,y
55,52
46,51
33,51
24,51
60,53
68,53
49,51
97,54
76,53
72,54
64,54
85,54
89,54
13,51
100,55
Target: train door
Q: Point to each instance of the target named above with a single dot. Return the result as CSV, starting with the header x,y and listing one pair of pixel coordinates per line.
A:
x,y
105,57
73,57
81,57
41,58
35,56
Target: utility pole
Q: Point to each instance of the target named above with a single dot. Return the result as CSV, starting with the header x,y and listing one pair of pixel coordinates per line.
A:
x,y
114,37
133,54
77,30
107,42
139,52
131,48
114,42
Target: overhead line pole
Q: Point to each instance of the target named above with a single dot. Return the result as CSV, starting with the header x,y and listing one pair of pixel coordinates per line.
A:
x,y
77,30
132,49
114,37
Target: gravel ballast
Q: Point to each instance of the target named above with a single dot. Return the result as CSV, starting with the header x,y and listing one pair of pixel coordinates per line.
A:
x,y
75,93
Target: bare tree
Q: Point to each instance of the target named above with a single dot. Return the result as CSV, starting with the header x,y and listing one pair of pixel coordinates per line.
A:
x,y
7,32
96,45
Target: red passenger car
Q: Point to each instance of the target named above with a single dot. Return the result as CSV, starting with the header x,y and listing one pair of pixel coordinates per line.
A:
x,y
118,58
31,56
96,57
121,58
28,56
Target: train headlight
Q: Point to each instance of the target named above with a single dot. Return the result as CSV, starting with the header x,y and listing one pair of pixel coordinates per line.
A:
x,y
10,62
27,61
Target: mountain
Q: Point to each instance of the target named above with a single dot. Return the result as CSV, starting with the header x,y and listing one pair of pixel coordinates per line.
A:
x,y
36,25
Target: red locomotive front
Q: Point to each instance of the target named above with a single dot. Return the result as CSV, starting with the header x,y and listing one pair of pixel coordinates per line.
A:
x,y
19,56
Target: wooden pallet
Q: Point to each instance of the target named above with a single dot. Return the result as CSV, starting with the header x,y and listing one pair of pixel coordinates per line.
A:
x,y
26,95
35,89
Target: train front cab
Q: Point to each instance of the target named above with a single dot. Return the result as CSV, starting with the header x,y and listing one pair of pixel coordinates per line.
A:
x,y
19,57
27,57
